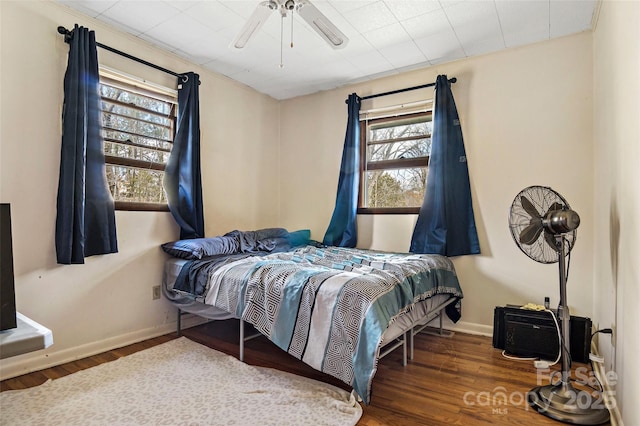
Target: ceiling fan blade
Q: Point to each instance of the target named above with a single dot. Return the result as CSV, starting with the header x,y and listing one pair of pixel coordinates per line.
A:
x,y
530,234
322,25
256,21
529,207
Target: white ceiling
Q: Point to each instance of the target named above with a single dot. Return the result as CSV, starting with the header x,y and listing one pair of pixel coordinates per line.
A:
x,y
385,36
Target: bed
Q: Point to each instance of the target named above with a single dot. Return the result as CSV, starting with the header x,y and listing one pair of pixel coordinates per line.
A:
x,y
337,309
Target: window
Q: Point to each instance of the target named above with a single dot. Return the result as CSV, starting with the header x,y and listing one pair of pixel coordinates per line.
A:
x,y
138,127
394,161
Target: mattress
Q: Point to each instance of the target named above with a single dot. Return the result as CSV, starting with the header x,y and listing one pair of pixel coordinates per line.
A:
x,y
172,268
417,315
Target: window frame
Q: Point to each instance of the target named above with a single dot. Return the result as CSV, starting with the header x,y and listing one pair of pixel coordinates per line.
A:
x,y
387,164
138,86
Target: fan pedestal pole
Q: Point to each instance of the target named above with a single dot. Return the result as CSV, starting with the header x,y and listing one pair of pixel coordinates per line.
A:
x,y
561,401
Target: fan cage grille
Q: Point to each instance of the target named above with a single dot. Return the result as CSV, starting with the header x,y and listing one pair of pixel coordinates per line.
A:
x,y
543,249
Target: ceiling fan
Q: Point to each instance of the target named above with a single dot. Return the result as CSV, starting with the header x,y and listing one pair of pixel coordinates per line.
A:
x,y
316,20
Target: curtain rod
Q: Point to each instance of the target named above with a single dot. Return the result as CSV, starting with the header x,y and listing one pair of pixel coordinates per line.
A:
x,y
69,34
393,92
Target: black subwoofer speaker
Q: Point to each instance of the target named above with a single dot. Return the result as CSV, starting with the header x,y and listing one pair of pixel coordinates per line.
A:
x,y
527,333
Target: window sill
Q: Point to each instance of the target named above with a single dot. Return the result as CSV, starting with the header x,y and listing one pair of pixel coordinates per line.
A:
x,y
150,207
388,210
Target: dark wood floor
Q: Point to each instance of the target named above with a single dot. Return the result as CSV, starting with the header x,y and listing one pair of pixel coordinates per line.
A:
x,y
451,381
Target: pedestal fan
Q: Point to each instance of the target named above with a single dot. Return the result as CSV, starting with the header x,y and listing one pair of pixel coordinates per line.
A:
x,y
544,227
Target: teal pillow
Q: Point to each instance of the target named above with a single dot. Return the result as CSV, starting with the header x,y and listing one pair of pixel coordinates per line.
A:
x,y
299,238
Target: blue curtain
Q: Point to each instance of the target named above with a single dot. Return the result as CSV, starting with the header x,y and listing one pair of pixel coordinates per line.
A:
x,y
85,221
182,181
342,230
446,224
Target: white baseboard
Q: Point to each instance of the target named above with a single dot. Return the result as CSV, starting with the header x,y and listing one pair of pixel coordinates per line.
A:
x,y
28,363
464,327
471,328
36,361
615,417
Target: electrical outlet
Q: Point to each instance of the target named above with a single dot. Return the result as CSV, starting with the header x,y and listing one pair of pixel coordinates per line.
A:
x,y
156,292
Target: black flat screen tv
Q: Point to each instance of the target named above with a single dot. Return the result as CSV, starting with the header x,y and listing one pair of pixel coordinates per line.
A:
x,y
7,287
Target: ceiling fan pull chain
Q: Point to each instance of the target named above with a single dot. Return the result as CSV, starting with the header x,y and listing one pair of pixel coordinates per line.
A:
x,y
281,39
292,10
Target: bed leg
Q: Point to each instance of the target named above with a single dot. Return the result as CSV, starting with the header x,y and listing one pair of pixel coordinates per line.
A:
x,y
411,341
179,330
241,340
440,316
404,349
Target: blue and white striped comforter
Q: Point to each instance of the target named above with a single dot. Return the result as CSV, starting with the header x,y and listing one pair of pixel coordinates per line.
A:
x,y
330,306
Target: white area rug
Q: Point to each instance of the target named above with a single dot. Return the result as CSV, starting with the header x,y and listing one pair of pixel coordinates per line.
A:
x,y
180,383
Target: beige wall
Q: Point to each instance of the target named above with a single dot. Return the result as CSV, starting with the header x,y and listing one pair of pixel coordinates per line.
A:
x,y
617,195
107,302
526,116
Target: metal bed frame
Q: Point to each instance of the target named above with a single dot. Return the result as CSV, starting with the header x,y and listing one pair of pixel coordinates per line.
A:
x,y
407,338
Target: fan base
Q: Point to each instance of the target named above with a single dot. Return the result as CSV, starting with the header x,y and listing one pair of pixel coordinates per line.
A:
x,y
564,403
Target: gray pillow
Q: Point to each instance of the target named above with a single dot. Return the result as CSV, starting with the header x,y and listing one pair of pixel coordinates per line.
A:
x,y
198,248
257,241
